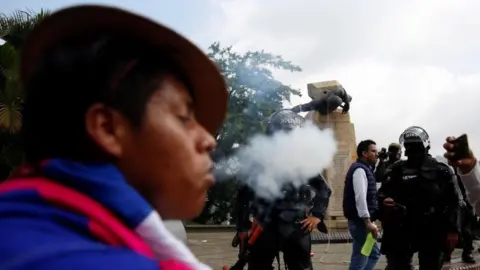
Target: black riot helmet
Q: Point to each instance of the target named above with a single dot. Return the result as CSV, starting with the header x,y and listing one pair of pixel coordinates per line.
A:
x,y
284,120
415,140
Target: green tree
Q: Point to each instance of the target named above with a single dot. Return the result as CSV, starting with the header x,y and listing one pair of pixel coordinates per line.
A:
x,y
254,94
14,29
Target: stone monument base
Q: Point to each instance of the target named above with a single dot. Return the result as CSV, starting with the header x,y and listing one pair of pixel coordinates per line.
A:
x,y
346,154
344,132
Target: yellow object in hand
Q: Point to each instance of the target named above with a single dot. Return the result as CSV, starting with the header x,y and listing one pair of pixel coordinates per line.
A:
x,y
368,245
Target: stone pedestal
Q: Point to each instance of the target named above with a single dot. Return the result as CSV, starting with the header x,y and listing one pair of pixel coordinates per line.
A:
x,y
344,132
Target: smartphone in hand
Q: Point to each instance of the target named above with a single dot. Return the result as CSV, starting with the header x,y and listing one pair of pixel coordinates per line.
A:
x,y
460,148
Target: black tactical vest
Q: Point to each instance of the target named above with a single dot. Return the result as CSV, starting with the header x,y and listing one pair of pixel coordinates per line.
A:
x,y
289,209
420,190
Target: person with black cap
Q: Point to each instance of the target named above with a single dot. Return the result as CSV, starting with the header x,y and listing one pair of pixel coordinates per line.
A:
x,y
419,206
119,114
387,158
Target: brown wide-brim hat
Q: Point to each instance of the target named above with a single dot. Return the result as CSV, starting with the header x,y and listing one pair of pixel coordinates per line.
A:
x,y
202,74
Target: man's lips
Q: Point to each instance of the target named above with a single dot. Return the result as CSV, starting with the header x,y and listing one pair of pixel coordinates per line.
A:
x,y
210,175
210,179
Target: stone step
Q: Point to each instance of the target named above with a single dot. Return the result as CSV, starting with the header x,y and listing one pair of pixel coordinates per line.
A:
x,y
344,237
457,264
333,237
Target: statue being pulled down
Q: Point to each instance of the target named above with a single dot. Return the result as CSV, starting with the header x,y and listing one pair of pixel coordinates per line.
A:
x,y
327,97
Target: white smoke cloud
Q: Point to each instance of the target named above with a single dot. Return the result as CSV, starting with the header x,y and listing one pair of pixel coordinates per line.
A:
x,y
268,163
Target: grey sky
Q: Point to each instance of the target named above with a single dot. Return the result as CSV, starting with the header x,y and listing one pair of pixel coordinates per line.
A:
x,y
404,62
185,16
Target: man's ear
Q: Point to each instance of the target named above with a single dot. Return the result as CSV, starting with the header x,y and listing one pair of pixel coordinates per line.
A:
x,y
107,128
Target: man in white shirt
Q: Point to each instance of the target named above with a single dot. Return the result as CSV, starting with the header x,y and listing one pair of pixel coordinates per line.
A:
x,y
360,205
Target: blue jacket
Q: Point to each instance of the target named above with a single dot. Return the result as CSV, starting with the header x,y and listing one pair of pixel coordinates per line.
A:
x,y
73,216
349,203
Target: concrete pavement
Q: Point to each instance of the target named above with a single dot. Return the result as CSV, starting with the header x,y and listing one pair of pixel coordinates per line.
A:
x,y
214,249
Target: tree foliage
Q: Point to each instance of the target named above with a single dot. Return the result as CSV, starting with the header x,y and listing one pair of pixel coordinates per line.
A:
x,y
254,94
14,29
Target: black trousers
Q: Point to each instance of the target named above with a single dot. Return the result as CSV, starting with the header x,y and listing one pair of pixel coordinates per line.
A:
x,y
296,248
467,241
468,224
429,258
467,237
429,245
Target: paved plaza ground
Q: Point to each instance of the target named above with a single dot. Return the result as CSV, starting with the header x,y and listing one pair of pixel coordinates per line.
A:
x,y
214,249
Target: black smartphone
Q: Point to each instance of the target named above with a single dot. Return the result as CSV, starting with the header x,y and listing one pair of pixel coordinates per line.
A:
x,y
460,148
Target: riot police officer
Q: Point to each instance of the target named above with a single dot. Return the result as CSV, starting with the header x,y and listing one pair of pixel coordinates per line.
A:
x,y
387,158
287,222
419,205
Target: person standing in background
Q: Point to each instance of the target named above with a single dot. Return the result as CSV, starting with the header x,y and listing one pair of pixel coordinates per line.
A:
x,y
392,155
360,204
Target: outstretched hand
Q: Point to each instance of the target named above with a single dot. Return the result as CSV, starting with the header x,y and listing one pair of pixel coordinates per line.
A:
x,y
310,223
466,164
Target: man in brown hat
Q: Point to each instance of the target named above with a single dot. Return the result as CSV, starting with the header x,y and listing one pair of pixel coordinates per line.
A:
x,y
118,122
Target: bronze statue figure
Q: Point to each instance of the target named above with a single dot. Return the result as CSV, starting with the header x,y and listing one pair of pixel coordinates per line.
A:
x,y
334,96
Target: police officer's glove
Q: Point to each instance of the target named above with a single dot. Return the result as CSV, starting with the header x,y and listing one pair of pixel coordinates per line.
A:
x,y
466,164
322,227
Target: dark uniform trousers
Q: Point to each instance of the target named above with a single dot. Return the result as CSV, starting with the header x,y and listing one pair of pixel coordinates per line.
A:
x,y
467,237
430,253
296,248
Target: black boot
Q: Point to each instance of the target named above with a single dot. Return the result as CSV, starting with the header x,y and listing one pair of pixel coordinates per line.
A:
x,y
468,257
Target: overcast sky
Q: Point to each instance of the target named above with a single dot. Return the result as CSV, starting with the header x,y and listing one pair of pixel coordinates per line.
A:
x,y
404,62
